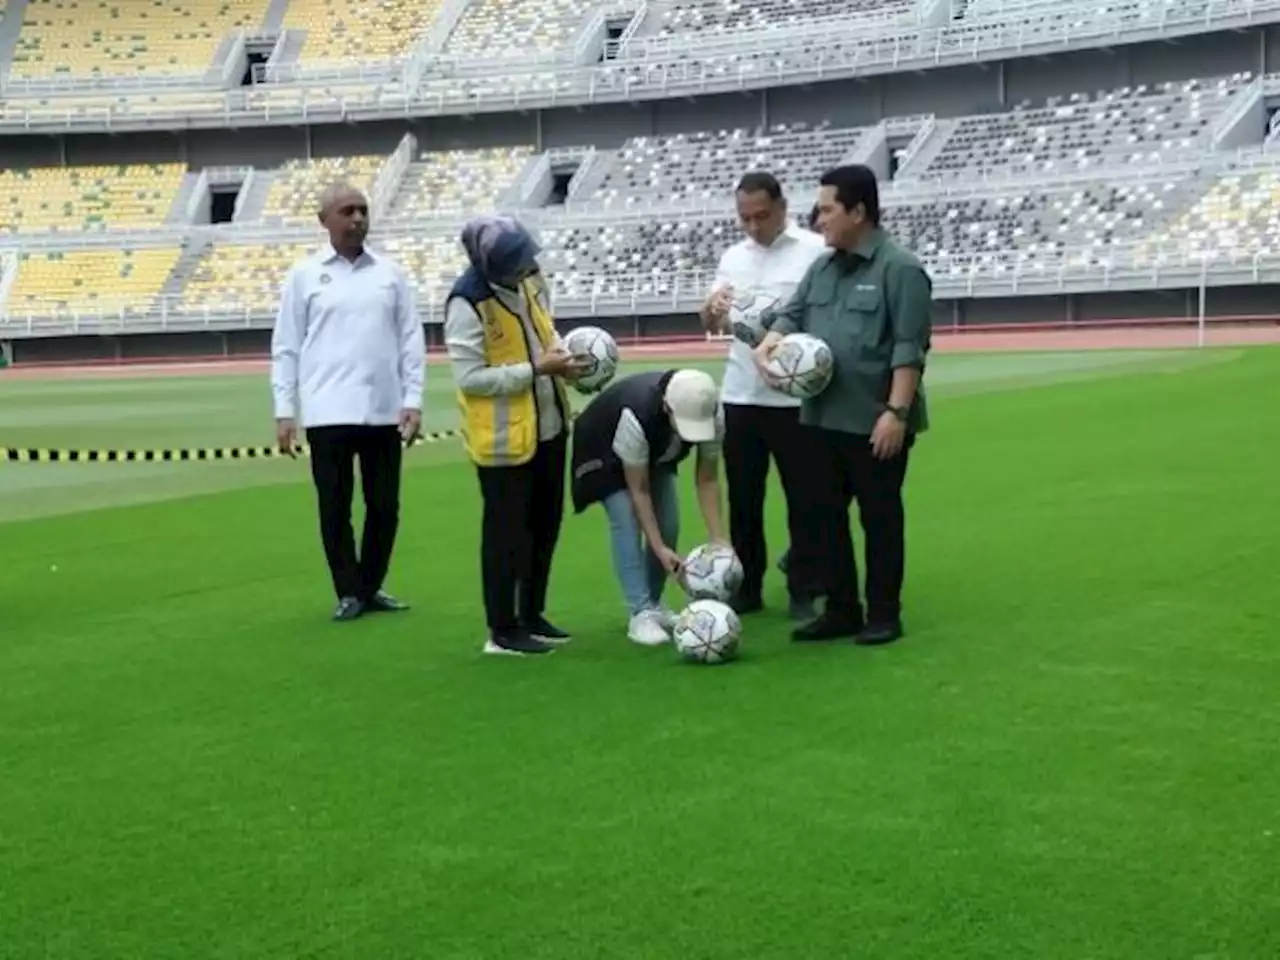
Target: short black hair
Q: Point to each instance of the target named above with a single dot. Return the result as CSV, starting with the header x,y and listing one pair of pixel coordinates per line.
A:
x,y
855,184
760,181
812,222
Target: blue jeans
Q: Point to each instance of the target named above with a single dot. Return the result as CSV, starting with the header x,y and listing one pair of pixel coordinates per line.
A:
x,y
639,573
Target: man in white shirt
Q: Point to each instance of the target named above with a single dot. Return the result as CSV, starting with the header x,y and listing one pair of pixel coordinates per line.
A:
x,y
347,363
755,275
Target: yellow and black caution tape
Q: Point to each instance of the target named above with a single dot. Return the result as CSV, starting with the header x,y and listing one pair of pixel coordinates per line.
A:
x,y
180,455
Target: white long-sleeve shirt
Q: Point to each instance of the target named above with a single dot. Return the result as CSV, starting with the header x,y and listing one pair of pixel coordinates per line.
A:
x,y
762,278
464,338
348,346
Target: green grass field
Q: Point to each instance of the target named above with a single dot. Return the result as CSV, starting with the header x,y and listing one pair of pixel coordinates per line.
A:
x,y
1075,754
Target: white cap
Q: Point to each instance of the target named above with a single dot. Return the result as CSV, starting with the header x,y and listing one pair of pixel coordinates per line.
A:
x,y
694,399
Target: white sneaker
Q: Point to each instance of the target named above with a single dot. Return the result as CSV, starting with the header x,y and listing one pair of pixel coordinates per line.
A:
x,y
647,630
666,616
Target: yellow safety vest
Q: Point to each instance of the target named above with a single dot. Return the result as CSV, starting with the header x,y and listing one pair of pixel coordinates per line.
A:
x,y
503,431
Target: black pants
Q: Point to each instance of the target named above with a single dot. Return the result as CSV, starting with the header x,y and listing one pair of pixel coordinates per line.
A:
x,y
334,451
841,468
753,435
523,507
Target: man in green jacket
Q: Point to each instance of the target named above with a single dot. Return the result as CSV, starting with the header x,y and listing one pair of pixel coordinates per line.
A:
x,y
871,301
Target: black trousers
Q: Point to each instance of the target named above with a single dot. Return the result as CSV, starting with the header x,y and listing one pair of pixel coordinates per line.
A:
x,y
334,451
840,469
523,508
753,435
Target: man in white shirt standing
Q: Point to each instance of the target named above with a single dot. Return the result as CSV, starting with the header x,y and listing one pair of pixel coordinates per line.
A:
x,y
347,363
759,273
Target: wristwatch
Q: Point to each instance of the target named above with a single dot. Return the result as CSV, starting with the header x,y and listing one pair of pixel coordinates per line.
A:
x,y
902,413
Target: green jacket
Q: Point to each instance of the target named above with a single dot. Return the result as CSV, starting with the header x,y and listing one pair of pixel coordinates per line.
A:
x,y
872,306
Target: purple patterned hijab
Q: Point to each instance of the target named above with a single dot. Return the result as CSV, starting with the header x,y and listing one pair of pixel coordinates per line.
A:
x,y
500,249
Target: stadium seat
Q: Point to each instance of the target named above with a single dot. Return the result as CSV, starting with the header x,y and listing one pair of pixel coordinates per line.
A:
x,y
458,182
494,28
298,184
707,165
87,198
1239,216
343,31
113,38
91,280
721,15
432,262
1145,124
239,276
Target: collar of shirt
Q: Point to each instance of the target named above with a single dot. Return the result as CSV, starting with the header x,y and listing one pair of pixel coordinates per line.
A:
x,y
328,255
865,250
788,236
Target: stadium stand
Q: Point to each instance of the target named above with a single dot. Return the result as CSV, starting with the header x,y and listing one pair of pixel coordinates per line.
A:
x,y
706,165
725,15
241,275
87,198
1138,125
1238,216
113,38
497,28
297,185
456,183
345,31
95,280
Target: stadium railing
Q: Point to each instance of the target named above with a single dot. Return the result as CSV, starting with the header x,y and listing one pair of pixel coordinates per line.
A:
x,y
635,296
662,76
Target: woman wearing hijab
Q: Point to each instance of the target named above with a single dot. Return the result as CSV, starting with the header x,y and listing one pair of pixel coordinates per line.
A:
x,y
509,366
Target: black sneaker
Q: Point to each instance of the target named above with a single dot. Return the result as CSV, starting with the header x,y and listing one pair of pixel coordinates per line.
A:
x,y
540,628
349,608
880,632
383,602
516,643
830,625
747,603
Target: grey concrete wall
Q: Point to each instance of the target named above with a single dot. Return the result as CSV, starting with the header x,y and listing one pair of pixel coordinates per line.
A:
x,y
1252,303
946,92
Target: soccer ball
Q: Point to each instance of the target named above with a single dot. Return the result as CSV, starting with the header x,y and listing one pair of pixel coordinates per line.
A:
x,y
802,364
745,317
711,572
707,631
599,347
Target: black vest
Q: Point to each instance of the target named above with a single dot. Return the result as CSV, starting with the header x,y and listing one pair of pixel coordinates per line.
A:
x,y
597,471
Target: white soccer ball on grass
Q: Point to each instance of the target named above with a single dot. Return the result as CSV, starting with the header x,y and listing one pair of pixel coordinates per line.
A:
x,y
801,365
598,347
707,631
711,571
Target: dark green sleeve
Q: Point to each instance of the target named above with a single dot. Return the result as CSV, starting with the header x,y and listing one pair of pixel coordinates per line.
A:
x,y
910,313
790,318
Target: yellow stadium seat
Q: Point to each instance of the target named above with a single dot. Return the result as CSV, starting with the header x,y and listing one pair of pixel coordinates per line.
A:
x,y
243,275
88,198
351,30
90,280
298,184
113,38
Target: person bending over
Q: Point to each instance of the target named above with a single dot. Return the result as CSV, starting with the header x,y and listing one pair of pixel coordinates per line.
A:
x,y
628,445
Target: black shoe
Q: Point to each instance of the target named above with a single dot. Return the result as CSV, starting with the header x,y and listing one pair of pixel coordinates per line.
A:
x,y
745,603
880,632
515,642
784,563
540,628
831,625
383,602
349,608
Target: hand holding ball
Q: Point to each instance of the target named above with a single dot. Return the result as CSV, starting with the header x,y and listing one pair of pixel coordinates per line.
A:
x,y
599,353
711,571
801,366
